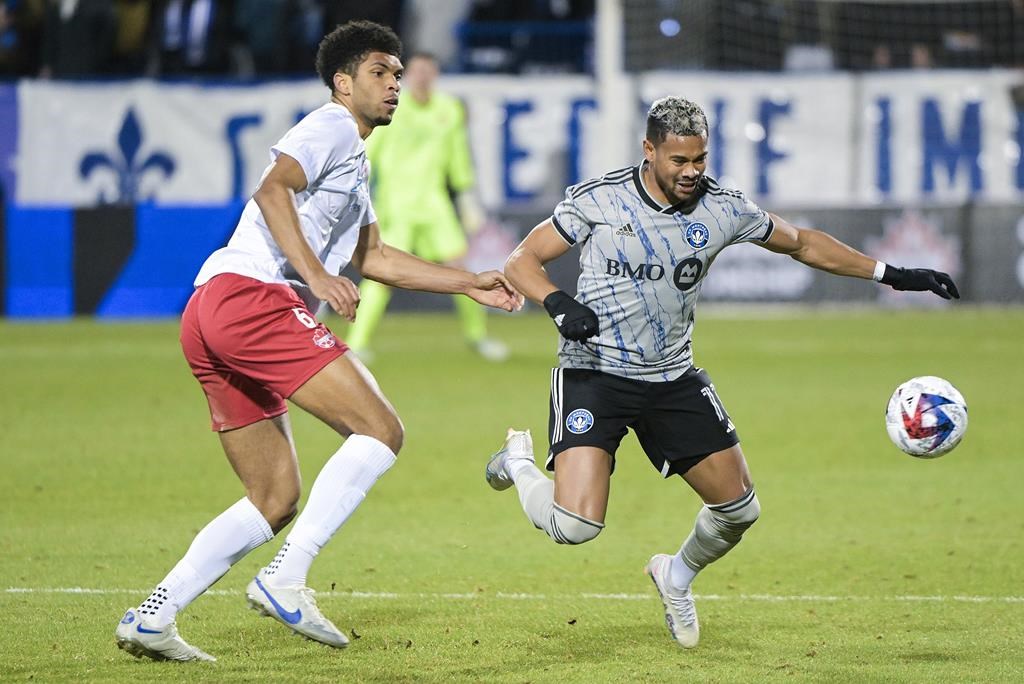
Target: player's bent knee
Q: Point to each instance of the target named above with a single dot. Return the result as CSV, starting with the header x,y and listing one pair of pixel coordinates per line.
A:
x,y
278,511
570,528
383,426
737,516
392,433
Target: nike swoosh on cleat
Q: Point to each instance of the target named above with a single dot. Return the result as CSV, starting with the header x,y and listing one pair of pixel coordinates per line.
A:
x,y
291,617
142,630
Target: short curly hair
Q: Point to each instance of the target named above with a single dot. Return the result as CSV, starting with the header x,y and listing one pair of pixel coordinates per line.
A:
x,y
676,116
345,48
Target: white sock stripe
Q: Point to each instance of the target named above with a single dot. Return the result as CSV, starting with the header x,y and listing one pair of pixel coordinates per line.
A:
x,y
577,516
735,504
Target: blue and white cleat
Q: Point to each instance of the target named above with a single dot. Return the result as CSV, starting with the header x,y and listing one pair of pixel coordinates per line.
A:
x,y
295,608
680,611
141,639
518,444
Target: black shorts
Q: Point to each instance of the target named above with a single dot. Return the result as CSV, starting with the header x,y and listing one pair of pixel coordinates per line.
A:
x,y
678,423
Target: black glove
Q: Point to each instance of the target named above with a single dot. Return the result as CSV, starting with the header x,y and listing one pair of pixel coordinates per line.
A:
x,y
920,279
575,321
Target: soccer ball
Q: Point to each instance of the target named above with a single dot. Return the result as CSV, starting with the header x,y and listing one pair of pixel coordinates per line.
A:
x,y
926,417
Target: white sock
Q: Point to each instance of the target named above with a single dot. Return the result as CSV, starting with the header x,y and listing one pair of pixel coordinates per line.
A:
x,y
536,495
681,574
338,490
218,546
536,490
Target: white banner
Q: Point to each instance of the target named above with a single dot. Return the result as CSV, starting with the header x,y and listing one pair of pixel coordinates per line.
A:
x,y
787,139
832,139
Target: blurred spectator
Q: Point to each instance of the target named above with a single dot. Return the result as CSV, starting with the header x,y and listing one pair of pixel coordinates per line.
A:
x,y
387,12
921,56
131,46
537,35
193,37
307,27
430,26
78,38
921,35
263,28
20,31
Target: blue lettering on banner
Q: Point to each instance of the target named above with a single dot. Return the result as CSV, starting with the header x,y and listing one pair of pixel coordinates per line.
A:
x,y
513,154
233,130
883,172
718,151
575,133
766,156
39,262
938,149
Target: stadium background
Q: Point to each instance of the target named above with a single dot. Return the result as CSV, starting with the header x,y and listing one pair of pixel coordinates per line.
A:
x,y
915,156
897,126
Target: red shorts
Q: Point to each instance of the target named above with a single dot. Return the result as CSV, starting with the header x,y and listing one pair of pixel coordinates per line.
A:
x,y
251,345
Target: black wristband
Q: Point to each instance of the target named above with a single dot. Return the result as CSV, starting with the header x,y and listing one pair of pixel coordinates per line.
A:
x,y
553,300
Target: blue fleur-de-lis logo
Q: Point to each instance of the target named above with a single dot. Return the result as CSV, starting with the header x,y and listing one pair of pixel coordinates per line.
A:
x,y
128,169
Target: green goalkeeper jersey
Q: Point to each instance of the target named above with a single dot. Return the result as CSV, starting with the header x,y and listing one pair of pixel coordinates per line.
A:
x,y
417,159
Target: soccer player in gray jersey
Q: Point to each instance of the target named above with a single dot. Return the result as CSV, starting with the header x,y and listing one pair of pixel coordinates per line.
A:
x,y
647,236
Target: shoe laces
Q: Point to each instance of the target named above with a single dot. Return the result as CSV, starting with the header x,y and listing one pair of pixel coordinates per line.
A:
x,y
682,601
308,594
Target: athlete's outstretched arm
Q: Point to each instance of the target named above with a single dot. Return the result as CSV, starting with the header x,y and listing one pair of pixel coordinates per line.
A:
x,y
386,264
275,197
525,268
822,251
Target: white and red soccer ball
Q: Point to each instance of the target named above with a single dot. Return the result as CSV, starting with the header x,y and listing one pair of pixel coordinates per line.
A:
x,y
926,417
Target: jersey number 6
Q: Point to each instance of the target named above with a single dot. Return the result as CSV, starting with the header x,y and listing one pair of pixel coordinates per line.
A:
x,y
304,317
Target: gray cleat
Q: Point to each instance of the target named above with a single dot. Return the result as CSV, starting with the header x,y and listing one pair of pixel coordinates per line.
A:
x,y
680,611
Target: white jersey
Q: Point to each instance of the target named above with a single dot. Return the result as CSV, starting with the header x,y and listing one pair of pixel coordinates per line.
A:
x,y
332,208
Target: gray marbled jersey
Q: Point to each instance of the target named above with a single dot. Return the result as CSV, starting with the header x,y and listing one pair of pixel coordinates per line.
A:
x,y
641,267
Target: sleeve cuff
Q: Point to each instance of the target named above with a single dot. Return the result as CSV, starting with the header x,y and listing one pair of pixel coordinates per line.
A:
x,y
561,231
297,155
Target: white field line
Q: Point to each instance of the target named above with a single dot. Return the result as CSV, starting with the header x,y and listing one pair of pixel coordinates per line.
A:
x,y
439,596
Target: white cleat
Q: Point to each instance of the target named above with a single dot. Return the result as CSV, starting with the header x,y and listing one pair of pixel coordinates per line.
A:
x,y
141,639
491,350
518,444
295,608
680,611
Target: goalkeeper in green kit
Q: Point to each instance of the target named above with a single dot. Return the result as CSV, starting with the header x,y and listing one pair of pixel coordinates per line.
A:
x,y
416,164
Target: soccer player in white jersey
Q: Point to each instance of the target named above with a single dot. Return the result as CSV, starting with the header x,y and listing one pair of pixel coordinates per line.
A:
x,y
647,236
253,342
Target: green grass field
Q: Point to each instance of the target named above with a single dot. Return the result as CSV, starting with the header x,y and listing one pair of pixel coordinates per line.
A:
x,y
866,566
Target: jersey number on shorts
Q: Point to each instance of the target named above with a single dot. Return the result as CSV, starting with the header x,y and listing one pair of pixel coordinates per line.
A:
x,y
304,317
716,404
